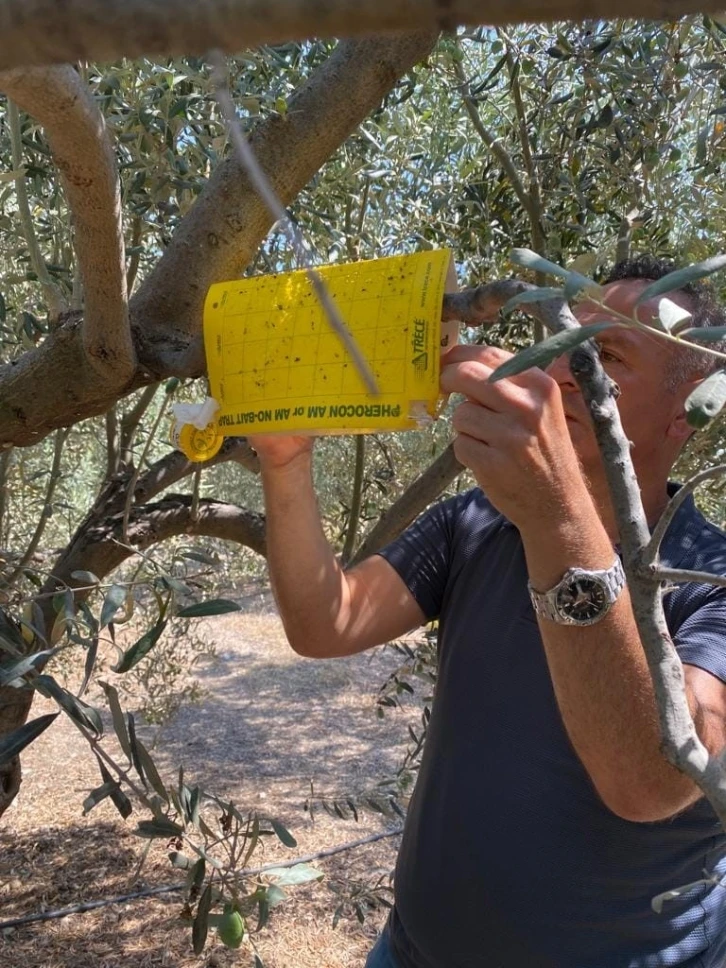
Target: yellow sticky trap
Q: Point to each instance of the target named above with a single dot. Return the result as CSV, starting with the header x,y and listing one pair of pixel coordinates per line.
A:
x,y
195,444
276,365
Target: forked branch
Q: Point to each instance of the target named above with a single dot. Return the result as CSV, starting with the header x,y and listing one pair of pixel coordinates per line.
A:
x,y
680,742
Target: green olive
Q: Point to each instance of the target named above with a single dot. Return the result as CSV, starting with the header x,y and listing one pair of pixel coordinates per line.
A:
x,y
231,929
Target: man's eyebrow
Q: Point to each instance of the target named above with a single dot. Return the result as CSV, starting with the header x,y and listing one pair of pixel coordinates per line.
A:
x,y
626,338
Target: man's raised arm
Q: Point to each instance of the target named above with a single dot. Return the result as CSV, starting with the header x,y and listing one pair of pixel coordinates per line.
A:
x,y
325,610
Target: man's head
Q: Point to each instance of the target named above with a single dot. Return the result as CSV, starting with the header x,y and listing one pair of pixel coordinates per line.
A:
x,y
696,297
655,377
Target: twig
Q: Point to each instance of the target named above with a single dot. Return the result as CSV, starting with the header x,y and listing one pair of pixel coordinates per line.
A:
x,y
54,477
650,551
131,420
494,144
5,459
139,465
176,888
133,266
356,497
112,443
194,511
264,189
535,210
51,290
625,234
683,575
682,745
534,189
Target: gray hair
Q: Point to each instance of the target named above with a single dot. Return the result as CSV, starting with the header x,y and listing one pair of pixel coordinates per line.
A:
x,y
685,364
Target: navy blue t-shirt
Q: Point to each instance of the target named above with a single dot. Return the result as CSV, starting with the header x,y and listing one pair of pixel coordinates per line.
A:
x,y
509,857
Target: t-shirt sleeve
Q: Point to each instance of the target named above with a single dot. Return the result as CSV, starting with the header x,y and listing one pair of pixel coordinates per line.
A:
x,y
701,638
421,555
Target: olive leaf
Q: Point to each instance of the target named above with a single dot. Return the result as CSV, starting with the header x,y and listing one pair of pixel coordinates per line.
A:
x,y
140,648
115,597
283,834
215,606
200,927
707,400
542,353
682,277
704,334
23,736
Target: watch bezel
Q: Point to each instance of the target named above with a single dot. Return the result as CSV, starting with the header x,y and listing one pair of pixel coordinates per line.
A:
x,y
569,582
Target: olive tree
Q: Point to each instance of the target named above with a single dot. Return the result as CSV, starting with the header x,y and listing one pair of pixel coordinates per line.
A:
x,y
122,203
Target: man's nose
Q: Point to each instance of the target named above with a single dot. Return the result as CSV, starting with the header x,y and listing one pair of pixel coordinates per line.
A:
x,y
559,370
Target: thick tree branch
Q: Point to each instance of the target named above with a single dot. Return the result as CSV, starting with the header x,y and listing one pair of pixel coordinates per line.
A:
x,y
59,100
303,254
174,467
222,232
480,306
112,502
101,548
45,31
216,240
14,708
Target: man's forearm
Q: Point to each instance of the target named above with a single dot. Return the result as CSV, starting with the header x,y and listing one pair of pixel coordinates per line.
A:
x,y
602,682
307,580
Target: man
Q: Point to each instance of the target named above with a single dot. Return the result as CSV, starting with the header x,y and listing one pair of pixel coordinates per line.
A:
x,y
544,818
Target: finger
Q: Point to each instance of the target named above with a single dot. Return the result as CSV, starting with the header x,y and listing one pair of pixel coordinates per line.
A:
x,y
479,457
475,421
471,379
491,356
497,430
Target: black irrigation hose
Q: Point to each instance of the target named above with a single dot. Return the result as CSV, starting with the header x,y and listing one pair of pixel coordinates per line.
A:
x,y
250,872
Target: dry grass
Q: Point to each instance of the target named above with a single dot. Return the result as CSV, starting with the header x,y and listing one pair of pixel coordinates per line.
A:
x,y
270,723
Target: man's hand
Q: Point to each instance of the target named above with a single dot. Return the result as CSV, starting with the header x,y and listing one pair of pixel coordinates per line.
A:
x,y
277,451
513,436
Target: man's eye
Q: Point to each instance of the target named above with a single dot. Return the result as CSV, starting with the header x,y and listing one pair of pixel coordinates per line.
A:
x,y
606,355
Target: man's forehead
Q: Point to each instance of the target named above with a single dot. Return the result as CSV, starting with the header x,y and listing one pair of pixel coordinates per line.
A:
x,y
622,297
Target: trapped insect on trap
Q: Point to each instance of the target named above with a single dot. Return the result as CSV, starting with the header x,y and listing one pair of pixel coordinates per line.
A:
x,y
276,365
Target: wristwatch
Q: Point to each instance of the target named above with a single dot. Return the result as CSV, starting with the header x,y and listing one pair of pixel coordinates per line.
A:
x,y
581,597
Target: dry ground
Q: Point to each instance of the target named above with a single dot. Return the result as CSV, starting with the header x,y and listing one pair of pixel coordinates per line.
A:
x,y
269,723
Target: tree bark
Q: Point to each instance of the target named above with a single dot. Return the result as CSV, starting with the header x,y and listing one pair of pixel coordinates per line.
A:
x,y
215,241
14,708
45,31
99,548
58,99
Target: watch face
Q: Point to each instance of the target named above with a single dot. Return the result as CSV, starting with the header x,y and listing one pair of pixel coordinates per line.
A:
x,y
582,599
